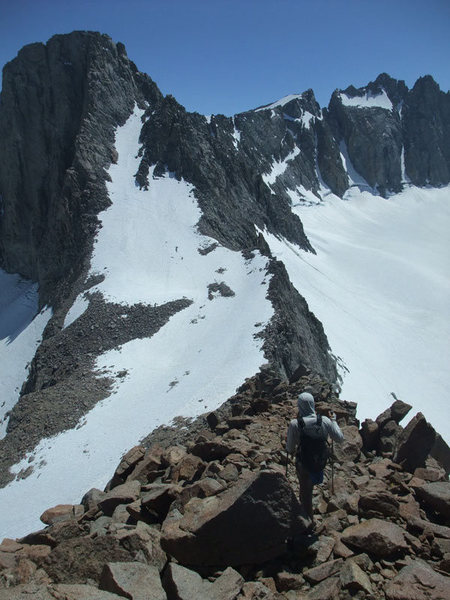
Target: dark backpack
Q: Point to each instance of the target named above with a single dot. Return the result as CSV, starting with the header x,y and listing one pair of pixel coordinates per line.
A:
x,y
312,451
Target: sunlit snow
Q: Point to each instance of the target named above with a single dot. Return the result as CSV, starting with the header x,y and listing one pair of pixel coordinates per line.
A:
x,y
380,285
369,100
280,102
21,329
148,251
280,166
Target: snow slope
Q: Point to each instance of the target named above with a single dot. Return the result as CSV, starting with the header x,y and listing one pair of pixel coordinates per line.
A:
x,y
21,329
380,285
148,250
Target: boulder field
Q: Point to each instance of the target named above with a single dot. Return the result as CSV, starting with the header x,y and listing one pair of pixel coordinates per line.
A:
x,y
209,511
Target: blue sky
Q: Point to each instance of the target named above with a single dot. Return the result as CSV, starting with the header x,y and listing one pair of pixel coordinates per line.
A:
x,y
226,56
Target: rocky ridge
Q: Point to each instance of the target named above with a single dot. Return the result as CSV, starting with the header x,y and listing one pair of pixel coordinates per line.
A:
x,y
210,511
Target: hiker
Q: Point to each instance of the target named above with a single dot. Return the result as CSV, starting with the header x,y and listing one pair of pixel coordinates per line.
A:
x,y
308,434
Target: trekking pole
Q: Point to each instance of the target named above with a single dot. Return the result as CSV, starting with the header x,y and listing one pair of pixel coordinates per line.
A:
x,y
332,466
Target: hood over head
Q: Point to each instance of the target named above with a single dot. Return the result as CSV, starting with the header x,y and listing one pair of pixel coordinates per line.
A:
x,y
306,404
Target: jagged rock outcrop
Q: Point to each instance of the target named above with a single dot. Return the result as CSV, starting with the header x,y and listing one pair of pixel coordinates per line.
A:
x,y
383,532
60,104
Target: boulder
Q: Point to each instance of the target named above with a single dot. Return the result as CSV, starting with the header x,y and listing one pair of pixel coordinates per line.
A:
x,y
350,449
122,494
173,455
323,571
132,580
81,559
183,584
158,497
328,589
91,499
396,412
374,504
377,537
420,525
441,453
212,450
415,443
61,512
188,469
389,434
353,578
435,496
289,581
127,464
418,581
151,462
369,434
247,523
256,590
227,586
144,542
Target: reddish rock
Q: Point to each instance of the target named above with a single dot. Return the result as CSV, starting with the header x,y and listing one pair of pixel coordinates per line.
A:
x,y
158,497
184,584
212,450
418,581
325,590
7,560
289,581
415,443
430,474
9,545
377,537
37,553
61,512
350,449
81,559
369,434
189,468
173,455
435,496
323,571
353,578
122,494
132,580
127,464
151,462
419,525
91,499
396,412
374,504
247,523
143,541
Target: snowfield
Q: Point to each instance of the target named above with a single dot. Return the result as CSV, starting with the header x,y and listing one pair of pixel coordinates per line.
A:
x,y
148,250
380,285
20,334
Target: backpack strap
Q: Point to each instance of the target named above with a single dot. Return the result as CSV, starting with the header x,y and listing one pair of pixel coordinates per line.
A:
x,y
301,422
319,420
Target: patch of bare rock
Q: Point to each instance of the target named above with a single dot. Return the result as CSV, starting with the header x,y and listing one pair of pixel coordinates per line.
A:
x,y
214,515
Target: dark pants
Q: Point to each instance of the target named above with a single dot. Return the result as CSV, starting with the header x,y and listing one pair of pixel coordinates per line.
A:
x,y
306,489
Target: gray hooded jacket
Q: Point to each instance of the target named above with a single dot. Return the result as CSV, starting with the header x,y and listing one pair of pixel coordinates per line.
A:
x,y
306,410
